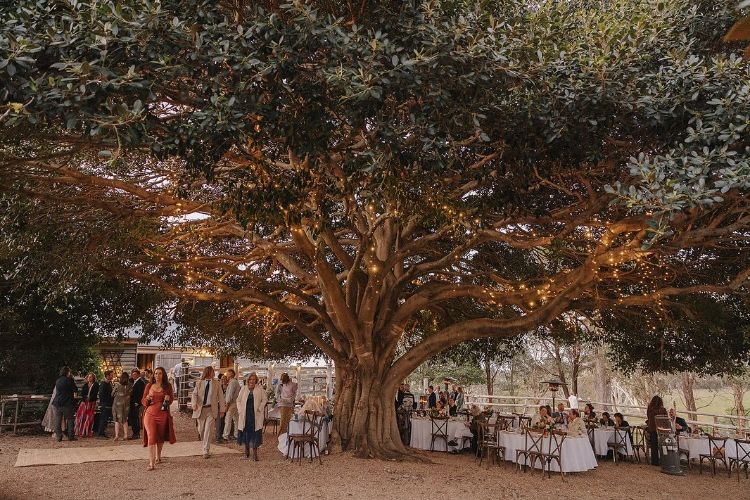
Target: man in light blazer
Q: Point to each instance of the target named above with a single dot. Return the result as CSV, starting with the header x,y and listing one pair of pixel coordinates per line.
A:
x,y
208,404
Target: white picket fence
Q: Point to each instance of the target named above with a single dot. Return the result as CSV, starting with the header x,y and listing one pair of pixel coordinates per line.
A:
x,y
527,405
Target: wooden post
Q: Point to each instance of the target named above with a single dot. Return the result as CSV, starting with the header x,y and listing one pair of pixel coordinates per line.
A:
x,y
15,420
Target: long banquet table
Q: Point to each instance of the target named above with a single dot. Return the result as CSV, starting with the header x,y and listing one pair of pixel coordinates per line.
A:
x,y
577,455
421,434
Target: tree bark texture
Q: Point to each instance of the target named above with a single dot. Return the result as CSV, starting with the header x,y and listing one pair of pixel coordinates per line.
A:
x,y
687,383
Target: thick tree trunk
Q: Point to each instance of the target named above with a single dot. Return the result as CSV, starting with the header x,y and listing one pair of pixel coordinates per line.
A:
x,y
575,370
364,416
687,382
602,379
561,369
738,390
489,379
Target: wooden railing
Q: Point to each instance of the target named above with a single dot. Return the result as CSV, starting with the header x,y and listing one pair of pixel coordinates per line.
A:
x,y
529,405
14,410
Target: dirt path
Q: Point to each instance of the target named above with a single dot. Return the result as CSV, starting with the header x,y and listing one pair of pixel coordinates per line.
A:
x,y
340,476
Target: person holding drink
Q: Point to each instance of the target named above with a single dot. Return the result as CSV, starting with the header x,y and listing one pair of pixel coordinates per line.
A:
x,y
158,425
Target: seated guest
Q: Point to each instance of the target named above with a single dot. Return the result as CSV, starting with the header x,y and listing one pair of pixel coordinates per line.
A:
x,y
476,420
680,424
605,421
452,408
620,420
576,425
560,416
541,419
588,412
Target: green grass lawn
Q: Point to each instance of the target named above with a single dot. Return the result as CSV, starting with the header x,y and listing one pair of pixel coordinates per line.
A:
x,y
717,402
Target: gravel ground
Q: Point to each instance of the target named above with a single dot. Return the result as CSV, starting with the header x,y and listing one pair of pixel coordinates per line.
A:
x,y
340,476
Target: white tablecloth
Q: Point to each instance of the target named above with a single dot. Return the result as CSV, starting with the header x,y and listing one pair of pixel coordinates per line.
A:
x,y
577,455
421,434
296,428
699,445
605,435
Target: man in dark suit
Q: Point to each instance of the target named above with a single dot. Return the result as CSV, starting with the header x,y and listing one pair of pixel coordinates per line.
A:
x,y
65,390
432,398
680,424
105,404
134,415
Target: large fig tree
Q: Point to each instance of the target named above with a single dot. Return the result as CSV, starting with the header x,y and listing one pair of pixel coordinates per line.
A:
x,y
343,172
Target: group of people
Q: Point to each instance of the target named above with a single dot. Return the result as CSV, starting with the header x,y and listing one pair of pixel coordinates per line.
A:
x,y
100,402
141,401
450,402
221,405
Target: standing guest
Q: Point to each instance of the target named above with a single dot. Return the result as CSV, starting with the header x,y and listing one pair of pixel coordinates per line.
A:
x,y
208,404
454,392
655,408
400,396
576,425
432,398
149,375
171,379
178,373
62,404
680,424
230,397
105,404
220,421
87,408
135,415
409,402
443,400
286,393
606,421
251,404
121,392
158,425
460,398
573,401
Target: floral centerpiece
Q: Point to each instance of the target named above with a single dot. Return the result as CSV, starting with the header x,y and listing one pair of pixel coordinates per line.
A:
x,y
271,396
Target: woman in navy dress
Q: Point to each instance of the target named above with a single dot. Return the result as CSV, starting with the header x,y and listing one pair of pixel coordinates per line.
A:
x,y
250,407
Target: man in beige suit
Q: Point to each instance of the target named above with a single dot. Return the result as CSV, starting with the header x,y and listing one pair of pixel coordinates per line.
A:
x,y
208,404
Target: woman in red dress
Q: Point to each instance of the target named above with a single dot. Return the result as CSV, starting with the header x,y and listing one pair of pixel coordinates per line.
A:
x,y
158,425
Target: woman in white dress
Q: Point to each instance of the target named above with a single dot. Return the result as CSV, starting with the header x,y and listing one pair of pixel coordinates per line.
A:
x,y
576,425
